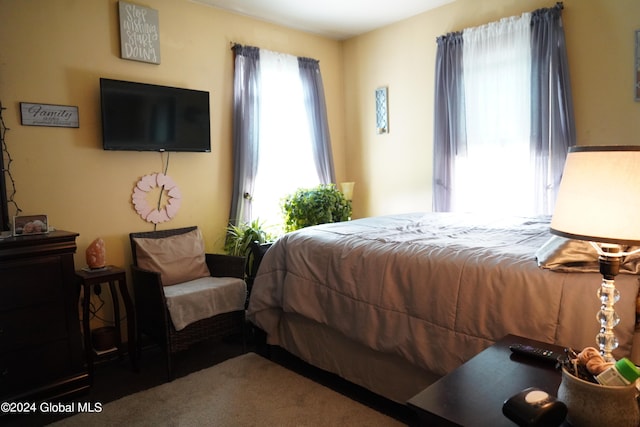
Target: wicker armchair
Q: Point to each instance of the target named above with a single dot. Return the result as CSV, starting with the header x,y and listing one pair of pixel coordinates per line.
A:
x,y
153,316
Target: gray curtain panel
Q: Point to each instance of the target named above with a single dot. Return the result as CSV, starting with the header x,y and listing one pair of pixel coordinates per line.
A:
x,y
246,127
449,117
552,121
314,100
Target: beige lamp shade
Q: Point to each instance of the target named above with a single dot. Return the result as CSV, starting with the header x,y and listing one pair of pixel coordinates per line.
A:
x,y
347,189
599,196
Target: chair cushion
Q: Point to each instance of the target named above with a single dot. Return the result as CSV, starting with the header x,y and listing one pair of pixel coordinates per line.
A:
x,y
203,298
178,258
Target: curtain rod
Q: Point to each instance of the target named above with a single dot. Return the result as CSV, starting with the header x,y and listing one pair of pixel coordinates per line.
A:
x,y
558,6
233,44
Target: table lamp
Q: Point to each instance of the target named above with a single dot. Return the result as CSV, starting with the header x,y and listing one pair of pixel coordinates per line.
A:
x,y
599,201
347,189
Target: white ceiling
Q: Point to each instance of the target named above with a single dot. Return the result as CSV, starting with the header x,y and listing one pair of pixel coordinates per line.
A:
x,y
337,19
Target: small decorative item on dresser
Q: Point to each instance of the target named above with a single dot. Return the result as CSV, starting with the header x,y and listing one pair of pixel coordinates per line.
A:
x,y
30,224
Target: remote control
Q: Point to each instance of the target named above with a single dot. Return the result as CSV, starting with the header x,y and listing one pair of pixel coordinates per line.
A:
x,y
541,354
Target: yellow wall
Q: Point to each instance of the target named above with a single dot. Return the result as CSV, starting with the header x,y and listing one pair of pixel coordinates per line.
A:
x,y
394,173
54,52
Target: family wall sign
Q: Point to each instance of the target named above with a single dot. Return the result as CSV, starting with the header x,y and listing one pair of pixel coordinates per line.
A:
x,y
49,115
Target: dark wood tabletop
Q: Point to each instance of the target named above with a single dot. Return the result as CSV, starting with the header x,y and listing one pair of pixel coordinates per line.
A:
x,y
473,394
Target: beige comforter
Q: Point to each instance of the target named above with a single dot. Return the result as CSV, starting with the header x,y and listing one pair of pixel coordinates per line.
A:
x,y
434,289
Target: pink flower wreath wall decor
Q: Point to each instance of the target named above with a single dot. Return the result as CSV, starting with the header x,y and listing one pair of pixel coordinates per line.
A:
x,y
162,213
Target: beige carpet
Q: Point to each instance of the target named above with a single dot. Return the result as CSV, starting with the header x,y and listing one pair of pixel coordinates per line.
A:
x,y
248,390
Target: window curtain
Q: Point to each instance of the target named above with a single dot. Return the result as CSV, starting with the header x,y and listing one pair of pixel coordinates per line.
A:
x,y
449,125
315,106
552,123
286,147
491,175
246,127
550,127
249,120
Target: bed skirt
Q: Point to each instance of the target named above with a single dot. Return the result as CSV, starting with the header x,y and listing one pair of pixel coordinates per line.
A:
x,y
385,374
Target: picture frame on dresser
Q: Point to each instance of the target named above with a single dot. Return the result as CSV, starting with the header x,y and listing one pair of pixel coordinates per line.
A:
x,y
30,224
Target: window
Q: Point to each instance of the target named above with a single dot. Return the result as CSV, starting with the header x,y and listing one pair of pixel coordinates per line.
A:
x,y
494,173
281,137
285,157
503,116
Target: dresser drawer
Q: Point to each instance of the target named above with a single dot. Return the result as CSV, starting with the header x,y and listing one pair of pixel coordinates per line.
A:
x,y
31,326
32,366
31,282
41,355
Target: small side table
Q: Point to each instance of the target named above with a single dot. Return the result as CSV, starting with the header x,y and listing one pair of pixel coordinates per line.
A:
x,y
473,393
110,274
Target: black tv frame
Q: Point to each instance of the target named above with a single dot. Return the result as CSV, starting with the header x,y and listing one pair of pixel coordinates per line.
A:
x,y
156,91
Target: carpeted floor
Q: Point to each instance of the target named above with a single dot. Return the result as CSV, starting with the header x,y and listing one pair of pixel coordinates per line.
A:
x,y
114,379
247,390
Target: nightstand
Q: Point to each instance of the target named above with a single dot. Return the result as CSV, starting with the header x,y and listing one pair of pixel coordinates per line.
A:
x,y
473,394
110,274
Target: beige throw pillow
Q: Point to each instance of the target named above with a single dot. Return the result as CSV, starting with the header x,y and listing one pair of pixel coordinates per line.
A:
x,y
177,258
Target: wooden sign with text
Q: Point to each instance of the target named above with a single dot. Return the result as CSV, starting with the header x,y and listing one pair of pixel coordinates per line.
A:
x,y
139,33
64,116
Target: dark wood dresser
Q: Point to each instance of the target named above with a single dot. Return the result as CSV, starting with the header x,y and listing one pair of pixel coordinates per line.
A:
x,y
41,356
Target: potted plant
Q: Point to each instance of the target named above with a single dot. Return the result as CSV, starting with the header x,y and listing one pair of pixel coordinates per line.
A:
x,y
313,206
239,237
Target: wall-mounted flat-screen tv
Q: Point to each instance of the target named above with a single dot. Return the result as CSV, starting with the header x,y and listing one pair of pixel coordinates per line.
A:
x,y
147,117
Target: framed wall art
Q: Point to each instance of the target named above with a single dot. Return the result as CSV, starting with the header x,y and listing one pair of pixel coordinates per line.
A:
x,y
382,111
139,33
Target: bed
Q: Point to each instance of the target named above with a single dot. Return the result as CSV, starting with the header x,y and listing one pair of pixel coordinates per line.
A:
x,y
394,302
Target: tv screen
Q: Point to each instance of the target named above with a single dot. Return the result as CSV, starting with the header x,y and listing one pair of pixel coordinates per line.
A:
x,y
146,117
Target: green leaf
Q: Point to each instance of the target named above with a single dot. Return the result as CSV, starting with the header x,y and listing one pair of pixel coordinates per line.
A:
x,y
313,206
239,237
